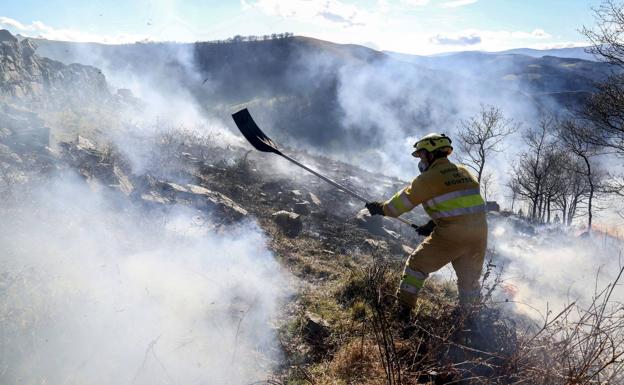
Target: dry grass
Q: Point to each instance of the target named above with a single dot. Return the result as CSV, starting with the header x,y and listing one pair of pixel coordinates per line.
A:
x,y
442,345
358,362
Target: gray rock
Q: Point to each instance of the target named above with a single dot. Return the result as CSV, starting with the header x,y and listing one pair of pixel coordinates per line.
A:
x,y
40,81
315,329
124,184
375,244
154,197
218,202
289,223
198,196
392,234
407,249
302,208
314,199
85,144
174,187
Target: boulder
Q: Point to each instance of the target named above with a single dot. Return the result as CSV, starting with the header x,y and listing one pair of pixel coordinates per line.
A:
x,y
217,201
375,244
174,187
390,233
314,199
289,223
154,197
302,208
85,144
315,329
124,184
407,249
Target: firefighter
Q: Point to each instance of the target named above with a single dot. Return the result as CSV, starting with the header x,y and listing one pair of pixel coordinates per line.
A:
x,y
457,232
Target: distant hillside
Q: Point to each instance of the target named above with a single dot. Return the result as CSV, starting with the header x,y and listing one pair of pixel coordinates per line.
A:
x,y
341,99
564,79
570,53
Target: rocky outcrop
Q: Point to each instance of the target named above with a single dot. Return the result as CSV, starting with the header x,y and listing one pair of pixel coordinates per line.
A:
x,y
22,130
27,78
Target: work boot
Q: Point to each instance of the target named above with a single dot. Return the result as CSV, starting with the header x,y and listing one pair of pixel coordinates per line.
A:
x,y
404,316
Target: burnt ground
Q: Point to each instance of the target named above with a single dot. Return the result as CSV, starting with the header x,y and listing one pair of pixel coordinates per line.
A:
x,y
340,326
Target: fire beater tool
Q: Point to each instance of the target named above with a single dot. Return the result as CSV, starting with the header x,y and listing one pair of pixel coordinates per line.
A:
x,y
263,143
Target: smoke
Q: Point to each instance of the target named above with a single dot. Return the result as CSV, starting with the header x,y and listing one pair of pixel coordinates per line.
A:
x,y
97,292
550,269
544,269
163,79
351,104
366,109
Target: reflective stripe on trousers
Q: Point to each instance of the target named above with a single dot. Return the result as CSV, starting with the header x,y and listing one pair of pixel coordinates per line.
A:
x,y
411,283
455,203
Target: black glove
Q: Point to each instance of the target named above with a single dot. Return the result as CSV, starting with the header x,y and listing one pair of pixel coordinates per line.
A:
x,y
375,208
427,229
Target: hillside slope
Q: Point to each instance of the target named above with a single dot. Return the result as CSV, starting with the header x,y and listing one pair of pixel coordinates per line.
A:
x,y
342,100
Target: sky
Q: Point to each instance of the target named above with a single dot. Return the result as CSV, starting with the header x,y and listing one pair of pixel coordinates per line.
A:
x,y
408,26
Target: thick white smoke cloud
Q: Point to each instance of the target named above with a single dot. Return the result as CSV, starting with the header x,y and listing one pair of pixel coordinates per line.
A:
x,y
552,268
394,103
96,292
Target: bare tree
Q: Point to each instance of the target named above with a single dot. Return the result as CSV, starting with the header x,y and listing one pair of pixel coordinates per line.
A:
x,y
574,188
531,172
573,140
607,37
513,187
487,185
605,108
482,135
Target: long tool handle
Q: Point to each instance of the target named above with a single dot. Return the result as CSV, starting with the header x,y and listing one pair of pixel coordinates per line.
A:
x,y
338,185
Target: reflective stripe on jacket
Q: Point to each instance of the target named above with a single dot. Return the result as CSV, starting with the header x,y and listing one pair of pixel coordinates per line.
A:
x,y
445,190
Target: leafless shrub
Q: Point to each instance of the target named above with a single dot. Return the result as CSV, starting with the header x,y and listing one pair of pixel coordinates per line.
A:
x,y
480,137
484,345
580,345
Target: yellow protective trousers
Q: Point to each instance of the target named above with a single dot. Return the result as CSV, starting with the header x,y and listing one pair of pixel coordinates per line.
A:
x,y
462,243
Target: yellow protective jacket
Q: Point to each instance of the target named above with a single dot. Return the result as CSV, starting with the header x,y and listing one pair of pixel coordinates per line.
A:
x,y
448,192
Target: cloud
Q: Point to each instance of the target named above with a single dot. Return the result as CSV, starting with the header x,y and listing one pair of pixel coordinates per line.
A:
x,y
535,34
39,29
8,22
332,11
417,3
471,38
457,3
